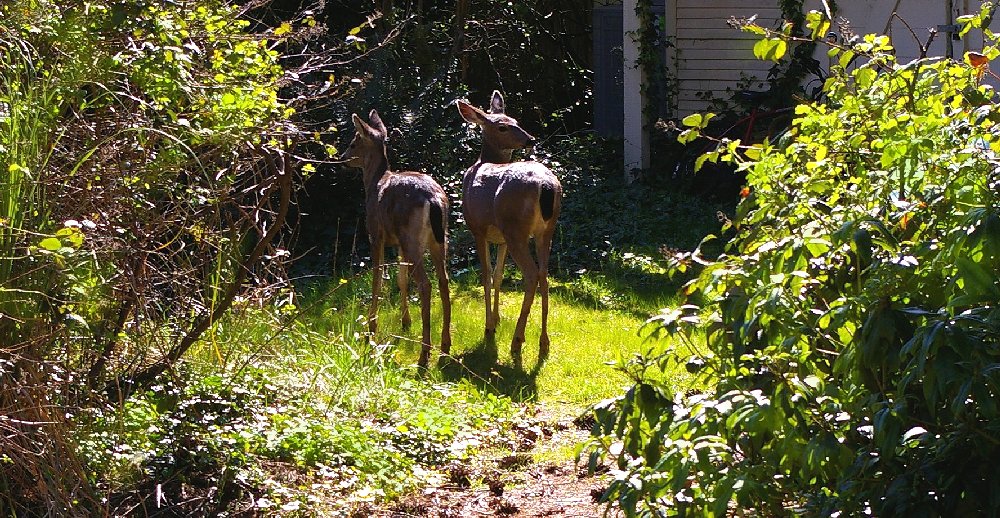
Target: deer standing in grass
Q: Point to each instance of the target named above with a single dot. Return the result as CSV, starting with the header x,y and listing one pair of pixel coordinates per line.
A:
x,y
407,210
508,203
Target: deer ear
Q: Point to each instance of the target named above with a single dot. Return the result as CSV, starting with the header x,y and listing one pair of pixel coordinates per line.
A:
x,y
471,113
377,123
496,103
363,128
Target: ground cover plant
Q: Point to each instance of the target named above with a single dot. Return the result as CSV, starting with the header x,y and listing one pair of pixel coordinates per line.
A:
x,y
292,420
851,344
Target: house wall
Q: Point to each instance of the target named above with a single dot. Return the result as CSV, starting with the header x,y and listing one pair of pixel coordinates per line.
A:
x,y
875,16
710,59
713,60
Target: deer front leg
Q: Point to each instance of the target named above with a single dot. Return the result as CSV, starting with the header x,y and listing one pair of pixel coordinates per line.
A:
x,y
378,253
485,277
497,281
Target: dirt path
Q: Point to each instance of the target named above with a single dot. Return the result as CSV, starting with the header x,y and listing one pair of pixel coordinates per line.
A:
x,y
514,485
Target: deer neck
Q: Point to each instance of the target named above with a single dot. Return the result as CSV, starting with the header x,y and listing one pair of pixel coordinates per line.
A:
x,y
494,155
376,166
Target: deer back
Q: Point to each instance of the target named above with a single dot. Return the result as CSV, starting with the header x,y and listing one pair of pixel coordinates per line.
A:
x,y
402,203
524,195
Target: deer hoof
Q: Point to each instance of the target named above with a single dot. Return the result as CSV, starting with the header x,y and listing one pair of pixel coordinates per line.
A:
x,y
515,345
543,347
490,333
445,346
406,323
425,354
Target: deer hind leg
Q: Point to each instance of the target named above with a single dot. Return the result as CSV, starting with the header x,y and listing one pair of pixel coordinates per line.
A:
x,y
522,257
485,277
439,254
413,255
378,255
543,245
403,281
497,281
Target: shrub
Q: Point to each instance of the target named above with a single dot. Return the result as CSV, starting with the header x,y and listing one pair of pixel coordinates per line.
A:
x,y
851,326
144,156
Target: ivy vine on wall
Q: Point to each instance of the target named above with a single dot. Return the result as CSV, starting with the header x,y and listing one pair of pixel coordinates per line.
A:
x,y
660,85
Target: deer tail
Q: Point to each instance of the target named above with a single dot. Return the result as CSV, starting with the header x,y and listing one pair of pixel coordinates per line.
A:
x,y
437,221
547,200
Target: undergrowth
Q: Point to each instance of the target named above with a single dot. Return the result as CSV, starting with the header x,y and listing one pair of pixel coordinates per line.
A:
x,y
299,420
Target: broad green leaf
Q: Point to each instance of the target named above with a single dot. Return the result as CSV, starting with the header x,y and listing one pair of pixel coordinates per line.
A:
x,y
977,279
865,77
687,136
818,24
285,28
51,244
771,49
845,58
72,235
694,120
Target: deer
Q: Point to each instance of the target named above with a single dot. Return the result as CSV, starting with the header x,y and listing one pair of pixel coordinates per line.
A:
x,y
508,203
407,210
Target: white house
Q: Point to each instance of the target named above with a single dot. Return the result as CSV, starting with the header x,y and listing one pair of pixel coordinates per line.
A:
x,y
708,58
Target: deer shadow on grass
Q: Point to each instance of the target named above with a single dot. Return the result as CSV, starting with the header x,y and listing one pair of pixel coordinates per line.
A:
x,y
480,366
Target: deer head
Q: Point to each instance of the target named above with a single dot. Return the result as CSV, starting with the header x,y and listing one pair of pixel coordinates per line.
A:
x,y
501,133
367,149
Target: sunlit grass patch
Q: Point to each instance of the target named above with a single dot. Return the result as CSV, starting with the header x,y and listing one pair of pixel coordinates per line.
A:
x,y
585,339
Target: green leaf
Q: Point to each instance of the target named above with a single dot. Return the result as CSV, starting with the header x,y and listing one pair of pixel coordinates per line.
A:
x,y
51,244
285,28
845,58
695,120
865,77
711,156
687,136
977,279
818,24
72,235
771,49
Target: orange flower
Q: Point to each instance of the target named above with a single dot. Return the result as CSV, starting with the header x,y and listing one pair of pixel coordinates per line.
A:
x,y
744,192
979,62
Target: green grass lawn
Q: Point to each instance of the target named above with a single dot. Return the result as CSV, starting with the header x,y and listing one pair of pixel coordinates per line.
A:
x,y
585,336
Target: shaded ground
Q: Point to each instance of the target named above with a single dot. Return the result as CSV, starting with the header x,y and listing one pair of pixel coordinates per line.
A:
x,y
514,484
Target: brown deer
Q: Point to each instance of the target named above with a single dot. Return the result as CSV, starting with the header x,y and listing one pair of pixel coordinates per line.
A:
x,y
508,203
407,210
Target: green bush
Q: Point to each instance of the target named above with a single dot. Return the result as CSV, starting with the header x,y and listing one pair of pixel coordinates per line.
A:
x,y
852,325
144,157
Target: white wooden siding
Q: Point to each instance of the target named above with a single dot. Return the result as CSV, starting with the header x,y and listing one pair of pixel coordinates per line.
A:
x,y
710,56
